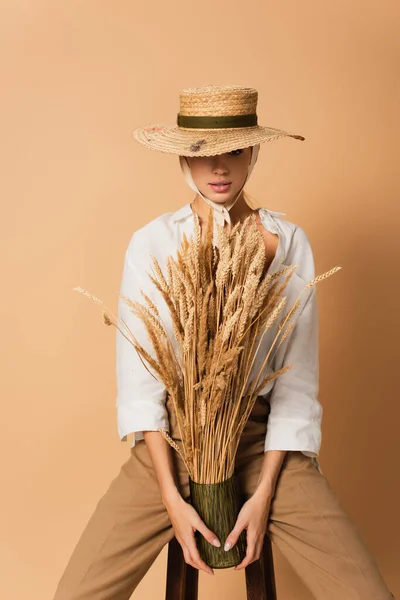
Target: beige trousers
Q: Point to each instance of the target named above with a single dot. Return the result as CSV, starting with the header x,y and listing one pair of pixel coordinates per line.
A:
x,y
130,526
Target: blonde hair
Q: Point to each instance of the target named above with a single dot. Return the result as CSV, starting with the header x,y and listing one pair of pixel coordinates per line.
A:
x,y
252,202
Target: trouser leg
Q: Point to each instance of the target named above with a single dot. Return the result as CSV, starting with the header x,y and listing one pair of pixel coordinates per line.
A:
x,y
310,528
126,532
130,526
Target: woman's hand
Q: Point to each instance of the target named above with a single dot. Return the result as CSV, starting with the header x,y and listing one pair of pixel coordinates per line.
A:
x,y
185,521
253,517
184,518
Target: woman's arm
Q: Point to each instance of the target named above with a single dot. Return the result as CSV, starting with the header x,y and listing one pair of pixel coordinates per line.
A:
x,y
184,518
272,463
141,395
161,456
294,422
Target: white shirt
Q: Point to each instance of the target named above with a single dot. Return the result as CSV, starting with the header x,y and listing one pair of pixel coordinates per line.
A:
x,y
294,422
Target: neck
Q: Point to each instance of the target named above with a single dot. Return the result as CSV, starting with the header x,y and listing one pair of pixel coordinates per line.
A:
x,y
239,211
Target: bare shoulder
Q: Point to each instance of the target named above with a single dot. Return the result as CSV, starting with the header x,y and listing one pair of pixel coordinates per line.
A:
x,y
271,239
296,247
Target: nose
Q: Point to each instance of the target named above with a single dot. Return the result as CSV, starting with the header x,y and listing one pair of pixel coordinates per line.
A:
x,y
219,164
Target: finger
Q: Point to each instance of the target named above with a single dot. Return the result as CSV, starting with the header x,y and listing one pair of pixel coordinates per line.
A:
x,y
234,535
250,553
191,553
207,533
248,559
197,560
189,560
245,563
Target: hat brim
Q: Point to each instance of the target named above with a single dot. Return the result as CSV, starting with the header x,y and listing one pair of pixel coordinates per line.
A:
x,y
205,142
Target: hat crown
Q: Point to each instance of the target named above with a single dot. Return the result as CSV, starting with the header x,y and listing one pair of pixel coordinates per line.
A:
x,y
217,100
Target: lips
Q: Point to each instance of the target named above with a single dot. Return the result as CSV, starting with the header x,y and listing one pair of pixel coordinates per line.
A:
x,y
220,186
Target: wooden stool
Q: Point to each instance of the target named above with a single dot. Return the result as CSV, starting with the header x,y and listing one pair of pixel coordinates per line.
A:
x,y
183,579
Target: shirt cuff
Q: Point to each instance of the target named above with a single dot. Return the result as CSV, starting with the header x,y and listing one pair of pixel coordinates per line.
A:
x,y
293,434
141,416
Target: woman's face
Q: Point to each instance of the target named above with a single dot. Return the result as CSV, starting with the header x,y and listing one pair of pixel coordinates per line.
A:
x,y
230,168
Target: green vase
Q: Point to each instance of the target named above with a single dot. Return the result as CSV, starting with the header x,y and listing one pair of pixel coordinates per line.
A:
x,y
218,506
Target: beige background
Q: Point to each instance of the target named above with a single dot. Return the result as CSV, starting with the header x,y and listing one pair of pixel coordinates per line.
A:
x,y
76,78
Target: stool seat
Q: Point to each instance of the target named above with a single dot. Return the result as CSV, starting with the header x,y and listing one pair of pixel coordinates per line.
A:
x,y
183,579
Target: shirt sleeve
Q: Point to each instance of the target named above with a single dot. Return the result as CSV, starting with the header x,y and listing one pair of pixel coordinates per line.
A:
x,y
295,417
141,397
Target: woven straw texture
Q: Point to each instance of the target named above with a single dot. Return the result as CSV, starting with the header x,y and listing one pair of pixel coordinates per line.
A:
x,y
210,101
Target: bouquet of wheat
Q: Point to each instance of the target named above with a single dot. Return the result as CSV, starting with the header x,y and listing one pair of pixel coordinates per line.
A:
x,y
221,303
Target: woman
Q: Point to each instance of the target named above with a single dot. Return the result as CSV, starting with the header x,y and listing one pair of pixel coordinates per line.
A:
x,y
287,496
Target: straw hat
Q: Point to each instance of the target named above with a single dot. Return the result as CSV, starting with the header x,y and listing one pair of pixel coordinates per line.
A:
x,y
212,120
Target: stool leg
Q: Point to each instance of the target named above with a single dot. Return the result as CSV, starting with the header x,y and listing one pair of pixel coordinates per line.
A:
x,y
182,579
269,571
192,583
260,575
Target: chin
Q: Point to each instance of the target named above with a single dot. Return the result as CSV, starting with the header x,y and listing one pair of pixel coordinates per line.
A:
x,y
220,198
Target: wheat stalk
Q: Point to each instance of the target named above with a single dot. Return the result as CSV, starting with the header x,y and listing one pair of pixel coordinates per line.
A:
x,y
221,302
